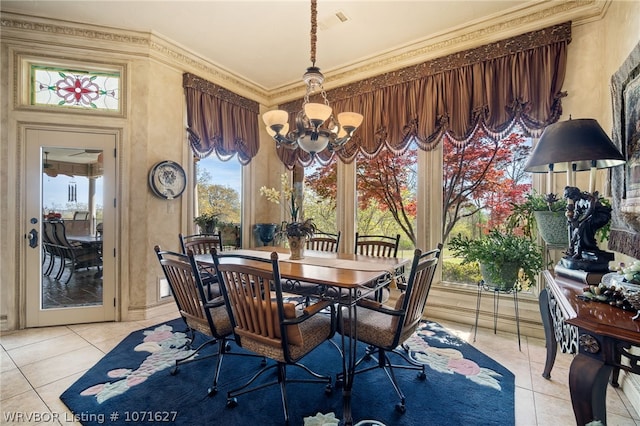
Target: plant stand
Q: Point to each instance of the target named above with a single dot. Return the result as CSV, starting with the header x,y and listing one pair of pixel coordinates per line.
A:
x,y
482,287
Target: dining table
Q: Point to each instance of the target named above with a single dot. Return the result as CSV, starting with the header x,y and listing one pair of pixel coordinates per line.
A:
x,y
342,278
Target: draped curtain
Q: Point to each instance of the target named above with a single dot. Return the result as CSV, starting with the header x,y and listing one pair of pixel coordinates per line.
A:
x,y
493,87
220,121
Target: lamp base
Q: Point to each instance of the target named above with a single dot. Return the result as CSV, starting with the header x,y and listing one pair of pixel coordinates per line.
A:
x,y
590,261
591,278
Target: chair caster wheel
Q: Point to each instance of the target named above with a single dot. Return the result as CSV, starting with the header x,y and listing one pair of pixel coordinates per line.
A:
x,y
212,391
328,390
339,383
400,408
422,376
174,371
232,402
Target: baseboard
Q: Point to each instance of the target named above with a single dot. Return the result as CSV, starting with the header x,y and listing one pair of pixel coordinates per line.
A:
x,y
162,309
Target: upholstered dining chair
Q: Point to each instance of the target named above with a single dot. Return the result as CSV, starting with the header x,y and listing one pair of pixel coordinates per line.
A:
x,y
209,317
265,324
385,328
203,244
324,241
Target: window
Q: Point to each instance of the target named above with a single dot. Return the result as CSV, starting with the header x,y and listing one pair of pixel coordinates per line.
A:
x,y
481,180
62,87
386,187
219,191
320,195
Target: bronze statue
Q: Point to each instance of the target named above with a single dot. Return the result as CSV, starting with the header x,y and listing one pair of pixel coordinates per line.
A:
x,y
585,214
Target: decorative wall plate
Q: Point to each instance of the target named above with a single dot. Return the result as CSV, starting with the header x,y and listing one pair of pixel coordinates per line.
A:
x,y
167,179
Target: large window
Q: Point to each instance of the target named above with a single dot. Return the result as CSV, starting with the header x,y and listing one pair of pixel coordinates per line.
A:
x,y
481,181
219,193
387,205
320,195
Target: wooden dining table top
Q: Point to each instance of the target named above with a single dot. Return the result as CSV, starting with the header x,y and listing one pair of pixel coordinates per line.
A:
x,y
342,270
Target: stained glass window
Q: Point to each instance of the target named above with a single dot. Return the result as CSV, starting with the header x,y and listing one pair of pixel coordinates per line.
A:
x,y
74,88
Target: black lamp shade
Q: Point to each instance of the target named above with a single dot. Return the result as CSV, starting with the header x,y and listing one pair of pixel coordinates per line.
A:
x,y
573,145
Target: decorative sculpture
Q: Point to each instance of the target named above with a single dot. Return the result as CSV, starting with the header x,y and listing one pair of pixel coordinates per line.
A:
x,y
585,215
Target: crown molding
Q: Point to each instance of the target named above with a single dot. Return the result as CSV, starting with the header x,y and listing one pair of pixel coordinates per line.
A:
x,y
50,32
518,21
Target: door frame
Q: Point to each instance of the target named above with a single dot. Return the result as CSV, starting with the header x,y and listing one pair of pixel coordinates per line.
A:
x,y
30,313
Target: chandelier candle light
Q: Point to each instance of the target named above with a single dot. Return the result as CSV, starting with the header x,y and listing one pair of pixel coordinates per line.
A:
x,y
310,134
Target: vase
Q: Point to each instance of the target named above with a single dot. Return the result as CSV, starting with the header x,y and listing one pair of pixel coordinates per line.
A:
x,y
553,228
296,246
266,232
507,278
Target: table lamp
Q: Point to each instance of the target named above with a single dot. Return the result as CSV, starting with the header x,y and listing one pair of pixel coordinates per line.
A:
x,y
571,146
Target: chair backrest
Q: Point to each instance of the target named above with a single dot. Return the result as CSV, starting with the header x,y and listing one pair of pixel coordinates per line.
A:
x,y
324,241
60,233
81,215
414,299
253,292
200,243
184,280
377,245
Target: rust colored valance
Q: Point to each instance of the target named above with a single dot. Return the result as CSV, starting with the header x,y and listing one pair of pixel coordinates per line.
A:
x,y
494,87
220,121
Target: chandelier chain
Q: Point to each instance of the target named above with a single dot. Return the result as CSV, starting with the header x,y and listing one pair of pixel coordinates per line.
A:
x,y
314,28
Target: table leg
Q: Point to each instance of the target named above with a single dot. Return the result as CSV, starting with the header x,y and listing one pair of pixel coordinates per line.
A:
x,y
588,378
549,335
349,346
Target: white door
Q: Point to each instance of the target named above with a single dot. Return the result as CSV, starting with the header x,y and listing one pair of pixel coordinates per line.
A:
x,y
70,226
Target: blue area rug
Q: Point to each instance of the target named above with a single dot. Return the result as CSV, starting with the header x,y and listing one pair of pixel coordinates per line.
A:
x,y
132,383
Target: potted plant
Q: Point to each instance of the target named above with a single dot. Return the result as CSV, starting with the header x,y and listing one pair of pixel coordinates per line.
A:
x,y
505,259
296,231
546,214
207,222
297,234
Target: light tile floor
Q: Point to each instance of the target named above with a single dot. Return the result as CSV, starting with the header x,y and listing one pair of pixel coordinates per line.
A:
x,y
37,365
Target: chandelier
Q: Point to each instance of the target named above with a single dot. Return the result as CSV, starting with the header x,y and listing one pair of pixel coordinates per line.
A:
x,y
316,127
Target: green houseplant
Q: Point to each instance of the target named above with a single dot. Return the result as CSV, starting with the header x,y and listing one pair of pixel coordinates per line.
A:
x,y
505,259
546,214
207,222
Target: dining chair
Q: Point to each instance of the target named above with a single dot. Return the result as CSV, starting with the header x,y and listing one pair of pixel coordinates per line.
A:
x,y
385,328
381,246
203,244
74,255
265,324
324,241
206,316
377,245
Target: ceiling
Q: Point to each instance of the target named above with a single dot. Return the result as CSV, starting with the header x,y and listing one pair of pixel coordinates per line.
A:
x,y
267,42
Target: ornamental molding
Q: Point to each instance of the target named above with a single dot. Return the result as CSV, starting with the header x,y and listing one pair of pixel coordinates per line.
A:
x,y
530,19
151,42
578,12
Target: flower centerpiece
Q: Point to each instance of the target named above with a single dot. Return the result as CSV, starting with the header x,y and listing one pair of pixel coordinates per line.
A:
x,y
296,231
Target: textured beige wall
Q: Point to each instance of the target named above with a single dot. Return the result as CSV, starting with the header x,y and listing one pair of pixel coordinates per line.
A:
x,y
153,130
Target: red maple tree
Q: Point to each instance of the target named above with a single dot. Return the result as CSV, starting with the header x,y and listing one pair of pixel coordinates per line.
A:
x,y
482,175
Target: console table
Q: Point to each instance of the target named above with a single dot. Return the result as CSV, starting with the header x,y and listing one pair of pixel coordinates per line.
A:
x,y
600,334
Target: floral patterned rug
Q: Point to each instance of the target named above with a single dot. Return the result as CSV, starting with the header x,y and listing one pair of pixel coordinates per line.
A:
x,y
133,383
